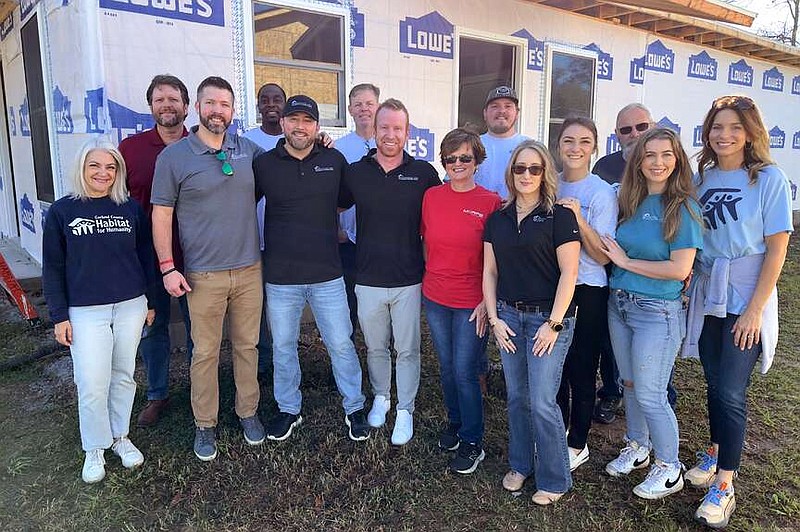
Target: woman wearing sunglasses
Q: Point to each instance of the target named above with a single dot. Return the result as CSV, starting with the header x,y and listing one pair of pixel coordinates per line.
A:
x,y
594,204
531,249
453,218
733,314
658,235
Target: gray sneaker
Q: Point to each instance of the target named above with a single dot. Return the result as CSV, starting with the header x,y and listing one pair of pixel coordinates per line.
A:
x,y
205,443
253,430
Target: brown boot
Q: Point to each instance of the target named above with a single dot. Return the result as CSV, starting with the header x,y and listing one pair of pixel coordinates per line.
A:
x,y
152,412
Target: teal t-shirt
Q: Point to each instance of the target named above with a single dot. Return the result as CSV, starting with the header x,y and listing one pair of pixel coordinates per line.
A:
x,y
642,237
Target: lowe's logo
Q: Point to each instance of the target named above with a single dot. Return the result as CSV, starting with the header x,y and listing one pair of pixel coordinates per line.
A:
x,y
420,143
62,107
637,71
25,8
535,59
740,73
772,80
777,138
659,58
431,35
26,214
702,66
669,124
211,12
796,141
356,28
6,26
697,137
612,144
796,85
605,63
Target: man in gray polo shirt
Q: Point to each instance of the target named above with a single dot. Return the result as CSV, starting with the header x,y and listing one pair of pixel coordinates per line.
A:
x,y
206,180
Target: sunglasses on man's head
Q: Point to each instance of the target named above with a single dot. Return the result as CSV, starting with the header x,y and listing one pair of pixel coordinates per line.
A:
x,y
535,169
227,169
464,159
640,127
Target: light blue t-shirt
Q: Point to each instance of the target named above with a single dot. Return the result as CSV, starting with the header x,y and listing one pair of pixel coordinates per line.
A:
x,y
491,174
642,237
353,147
599,208
267,142
738,216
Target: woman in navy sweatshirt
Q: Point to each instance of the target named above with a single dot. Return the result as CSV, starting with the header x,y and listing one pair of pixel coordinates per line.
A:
x,y
97,266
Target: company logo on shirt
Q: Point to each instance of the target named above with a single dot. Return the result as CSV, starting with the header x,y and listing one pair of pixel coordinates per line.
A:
x,y
104,223
81,226
402,177
470,212
319,169
535,50
702,66
26,214
605,63
430,35
796,85
740,73
650,217
719,206
209,12
659,58
777,138
538,218
772,80
420,143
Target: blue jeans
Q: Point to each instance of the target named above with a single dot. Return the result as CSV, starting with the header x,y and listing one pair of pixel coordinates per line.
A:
x,y
536,442
328,302
727,369
646,334
459,350
155,345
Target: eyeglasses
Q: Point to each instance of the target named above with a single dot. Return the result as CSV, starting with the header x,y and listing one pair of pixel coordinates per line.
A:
x,y
640,127
227,169
535,169
741,103
463,158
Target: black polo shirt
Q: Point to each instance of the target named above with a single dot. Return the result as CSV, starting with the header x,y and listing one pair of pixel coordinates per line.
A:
x,y
300,222
527,265
388,214
610,168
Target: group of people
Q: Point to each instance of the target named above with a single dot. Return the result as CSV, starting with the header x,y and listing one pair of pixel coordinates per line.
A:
x,y
629,265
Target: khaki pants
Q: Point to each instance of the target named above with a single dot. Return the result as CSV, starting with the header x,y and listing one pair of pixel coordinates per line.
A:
x,y
239,293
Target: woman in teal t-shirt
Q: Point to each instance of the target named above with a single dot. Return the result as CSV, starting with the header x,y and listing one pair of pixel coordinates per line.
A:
x,y
658,235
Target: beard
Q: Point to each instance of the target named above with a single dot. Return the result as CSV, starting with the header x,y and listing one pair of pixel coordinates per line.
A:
x,y
500,129
300,143
217,129
162,120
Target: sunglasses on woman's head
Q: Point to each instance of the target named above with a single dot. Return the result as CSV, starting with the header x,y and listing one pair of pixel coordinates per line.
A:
x,y
464,159
741,103
227,169
535,169
640,127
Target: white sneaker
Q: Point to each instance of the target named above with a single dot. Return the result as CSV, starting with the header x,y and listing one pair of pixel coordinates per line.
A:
x,y
127,451
632,456
403,428
377,414
94,466
662,480
577,459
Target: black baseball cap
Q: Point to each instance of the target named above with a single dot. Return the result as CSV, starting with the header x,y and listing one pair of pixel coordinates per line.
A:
x,y
301,103
503,91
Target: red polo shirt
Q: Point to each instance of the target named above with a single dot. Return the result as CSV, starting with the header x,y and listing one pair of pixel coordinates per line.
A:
x,y
140,152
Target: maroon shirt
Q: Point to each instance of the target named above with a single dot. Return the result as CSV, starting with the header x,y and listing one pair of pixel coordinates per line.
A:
x,y
140,152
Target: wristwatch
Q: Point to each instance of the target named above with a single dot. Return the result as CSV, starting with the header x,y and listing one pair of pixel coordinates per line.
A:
x,y
557,326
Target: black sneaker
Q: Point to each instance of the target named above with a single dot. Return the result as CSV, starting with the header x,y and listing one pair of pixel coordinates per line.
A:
x,y
281,426
467,458
448,439
357,425
606,409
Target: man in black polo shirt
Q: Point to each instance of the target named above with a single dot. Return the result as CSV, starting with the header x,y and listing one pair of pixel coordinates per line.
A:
x,y
387,186
301,182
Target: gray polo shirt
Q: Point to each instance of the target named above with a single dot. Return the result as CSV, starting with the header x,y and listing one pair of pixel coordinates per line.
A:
x,y
216,213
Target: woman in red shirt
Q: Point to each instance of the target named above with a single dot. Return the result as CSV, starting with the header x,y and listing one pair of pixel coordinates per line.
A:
x,y
453,216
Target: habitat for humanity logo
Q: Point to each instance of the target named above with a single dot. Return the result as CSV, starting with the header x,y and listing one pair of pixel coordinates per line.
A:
x,y
777,138
535,60
420,143
740,73
702,66
772,80
104,223
430,35
605,63
211,12
26,214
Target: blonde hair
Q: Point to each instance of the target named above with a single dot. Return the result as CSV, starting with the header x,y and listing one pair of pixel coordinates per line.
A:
x,y
679,191
119,191
549,183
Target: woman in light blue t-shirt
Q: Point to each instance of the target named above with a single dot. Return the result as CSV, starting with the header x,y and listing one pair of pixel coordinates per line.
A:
x,y
746,204
658,235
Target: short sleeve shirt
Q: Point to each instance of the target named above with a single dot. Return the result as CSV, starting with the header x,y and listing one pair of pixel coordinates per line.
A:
x,y
610,169
642,237
353,147
527,264
491,174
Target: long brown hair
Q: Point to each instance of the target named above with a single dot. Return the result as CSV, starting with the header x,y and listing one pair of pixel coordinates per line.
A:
x,y
549,181
678,192
756,150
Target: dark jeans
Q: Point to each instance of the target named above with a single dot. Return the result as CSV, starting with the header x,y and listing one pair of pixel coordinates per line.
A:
x,y
347,254
264,345
155,345
727,369
459,350
577,391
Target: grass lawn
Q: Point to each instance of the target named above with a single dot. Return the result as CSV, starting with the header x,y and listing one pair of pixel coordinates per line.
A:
x,y
320,480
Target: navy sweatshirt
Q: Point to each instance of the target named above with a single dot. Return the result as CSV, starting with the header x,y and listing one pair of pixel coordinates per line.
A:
x,y
95,252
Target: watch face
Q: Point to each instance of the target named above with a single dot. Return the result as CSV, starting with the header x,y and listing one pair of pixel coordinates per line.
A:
x,y
557,327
